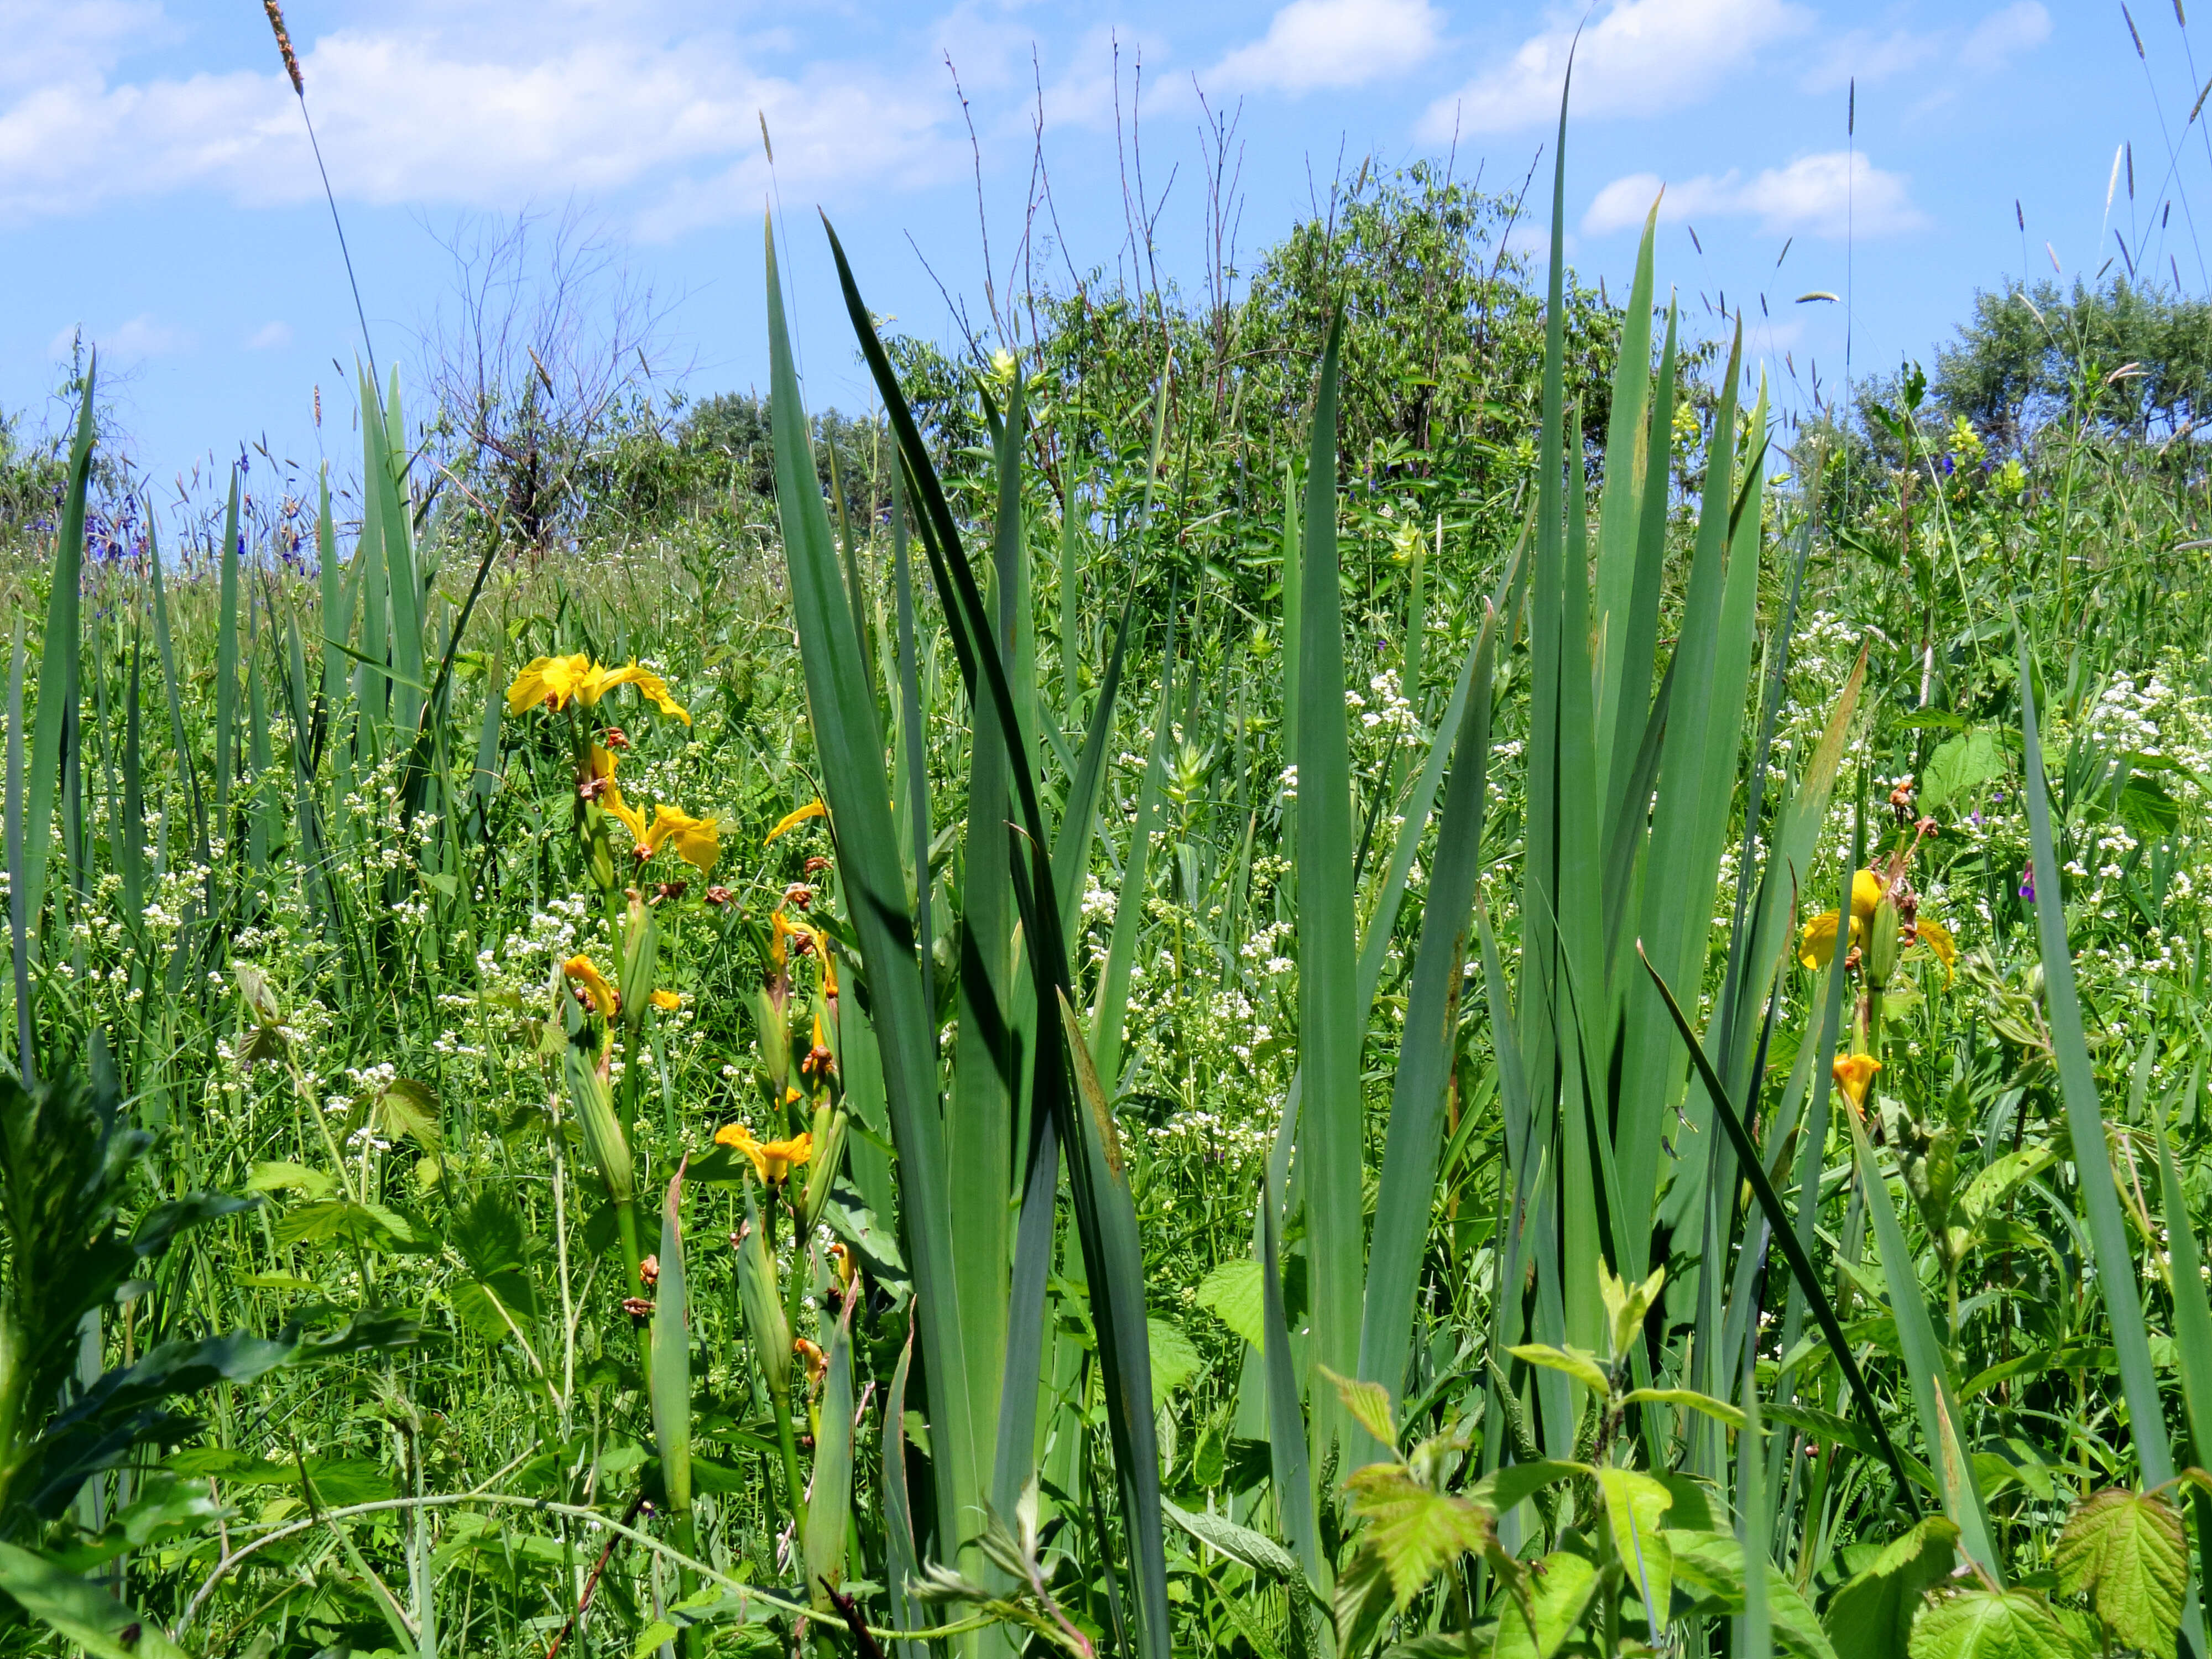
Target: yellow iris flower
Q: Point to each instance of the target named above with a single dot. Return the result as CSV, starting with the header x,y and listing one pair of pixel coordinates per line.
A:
x,y
697,841
1854,1075
1817,946
782,928
584,973
772,1160
667,1001
563,680
789,821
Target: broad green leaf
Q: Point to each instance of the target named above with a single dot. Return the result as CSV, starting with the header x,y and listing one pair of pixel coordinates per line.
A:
x,y
1175,1359
278,1176
1506,1490
1232,1293
1560,1586
1719,1410
341,1221
1960,763
1709,1566
1871,1616
2127,1553
1999,1176
1635,1510
1982,1624
411,1109
82,1612
1242,1544
1577,1363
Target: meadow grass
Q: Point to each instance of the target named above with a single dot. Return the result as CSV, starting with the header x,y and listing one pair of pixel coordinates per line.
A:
x,y
1613,1067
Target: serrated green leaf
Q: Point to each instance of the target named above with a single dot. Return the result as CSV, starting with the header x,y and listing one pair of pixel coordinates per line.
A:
x,y
341,1221
1980,1624
1411,1529
1174,1358
1367,1403
1871,1616
2126,1552
1960,763
411,1109
279,1176
1231,1293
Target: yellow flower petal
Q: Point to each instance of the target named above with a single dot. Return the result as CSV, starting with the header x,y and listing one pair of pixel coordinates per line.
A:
x,y
667,1001
650,684
813,809
1817,947
548,679
583,972
1937,937
698,842
772,1160
1855,1073
1867,889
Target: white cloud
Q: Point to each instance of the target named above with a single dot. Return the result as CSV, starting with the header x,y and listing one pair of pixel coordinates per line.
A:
x,y
1985,48
2001,35
1861,55
1642,56
1334,43
270,337
1821,194
142,336
573,101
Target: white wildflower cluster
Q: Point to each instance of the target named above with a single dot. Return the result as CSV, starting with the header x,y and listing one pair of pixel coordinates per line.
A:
x,y
365,1084
1263,949
1392,716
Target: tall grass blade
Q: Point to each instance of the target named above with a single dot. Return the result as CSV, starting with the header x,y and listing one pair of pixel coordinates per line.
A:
x,y
671,1381
1331,1024
842,705
1405,1195
53,732
1801,1265
2085,1122
19,886
1936,1396
830,1493
226,667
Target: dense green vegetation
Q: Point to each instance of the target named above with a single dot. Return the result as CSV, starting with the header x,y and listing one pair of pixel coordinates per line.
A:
x,y
1359,969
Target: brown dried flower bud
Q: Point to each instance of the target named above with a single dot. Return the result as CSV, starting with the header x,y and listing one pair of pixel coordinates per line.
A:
x,y
637,1308
800,894
670,890
648,1272
615,738
816,866
284,47
718,897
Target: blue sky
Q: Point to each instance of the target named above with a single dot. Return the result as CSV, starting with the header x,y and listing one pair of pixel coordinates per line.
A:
x,y
157,192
